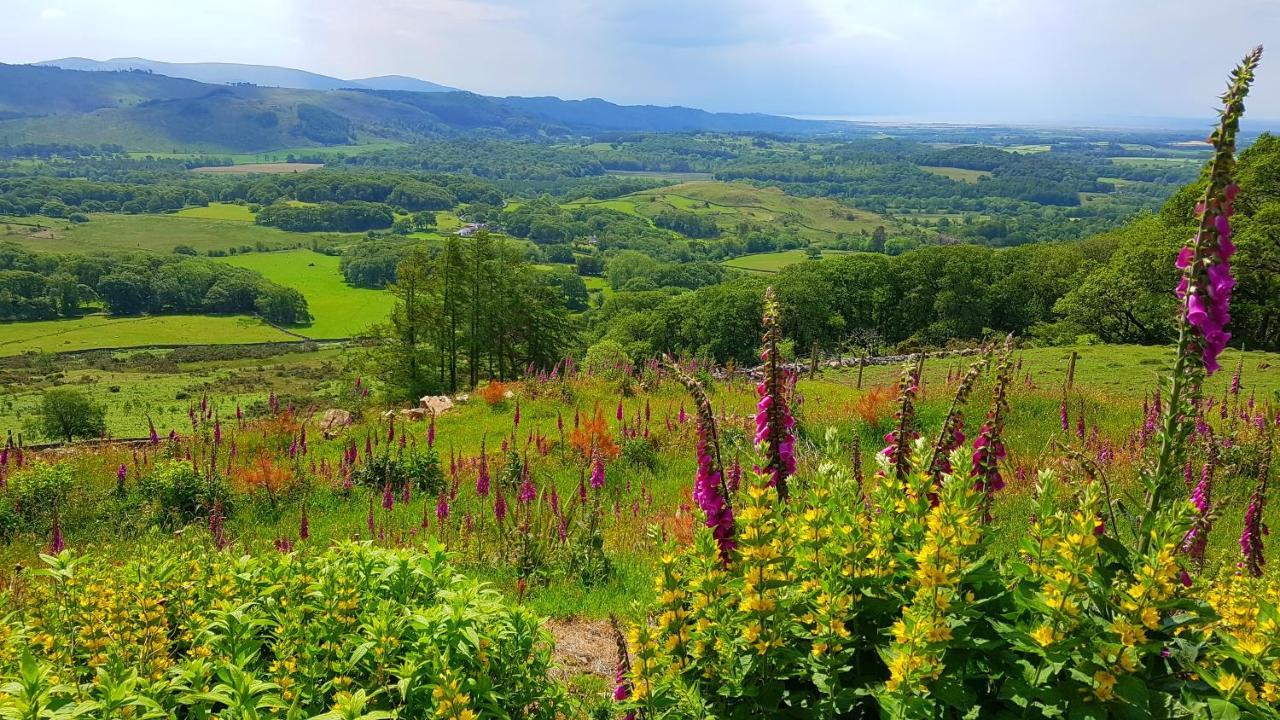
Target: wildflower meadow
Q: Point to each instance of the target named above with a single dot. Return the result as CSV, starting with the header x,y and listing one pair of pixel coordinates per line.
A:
x,y
1005,531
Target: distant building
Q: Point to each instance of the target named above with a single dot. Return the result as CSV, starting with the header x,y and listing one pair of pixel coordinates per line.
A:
x,y
469,229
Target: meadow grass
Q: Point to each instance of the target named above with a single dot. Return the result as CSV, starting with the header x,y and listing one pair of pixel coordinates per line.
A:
x,y
1110,384
771,262
963,175
819,220
155,233
218,211
105,331
134,392
338,309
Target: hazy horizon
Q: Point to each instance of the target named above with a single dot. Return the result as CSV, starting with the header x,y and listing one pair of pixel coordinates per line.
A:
x,y
925,61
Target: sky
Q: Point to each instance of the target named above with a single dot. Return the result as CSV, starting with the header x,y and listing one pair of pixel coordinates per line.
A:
x,y
1044,61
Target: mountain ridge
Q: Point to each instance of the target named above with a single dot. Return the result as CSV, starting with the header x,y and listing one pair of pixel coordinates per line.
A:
x,y
223,73
142,110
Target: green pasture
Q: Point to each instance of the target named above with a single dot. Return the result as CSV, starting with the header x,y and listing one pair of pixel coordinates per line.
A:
x,y
218,211
339,310
963,175
104,331
157,233
771,262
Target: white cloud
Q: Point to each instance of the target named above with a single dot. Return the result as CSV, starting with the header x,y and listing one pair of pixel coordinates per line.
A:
x,y
52,14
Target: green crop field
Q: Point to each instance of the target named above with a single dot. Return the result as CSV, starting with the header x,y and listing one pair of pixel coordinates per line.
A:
x,y
958,174
272,156
819,220
218,211
339,309
103,331
159,233
771,262
1157,161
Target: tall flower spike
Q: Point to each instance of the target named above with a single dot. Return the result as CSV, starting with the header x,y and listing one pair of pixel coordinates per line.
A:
x,y
951,436
775,427
1204,293
898,441
1205,289
988,449
1254,527
710,490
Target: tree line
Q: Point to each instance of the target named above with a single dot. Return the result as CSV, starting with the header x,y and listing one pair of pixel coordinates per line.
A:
x,y
43,286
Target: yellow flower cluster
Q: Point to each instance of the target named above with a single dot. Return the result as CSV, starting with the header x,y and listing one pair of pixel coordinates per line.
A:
x,y
920,637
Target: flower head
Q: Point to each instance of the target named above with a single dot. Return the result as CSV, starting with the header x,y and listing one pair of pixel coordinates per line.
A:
x,y
775,426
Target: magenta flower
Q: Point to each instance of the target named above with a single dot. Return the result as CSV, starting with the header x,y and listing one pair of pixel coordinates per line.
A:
x,y
121,473
1065,418
775,427
56,543
1251,537
388,497
527,492
442,508
482,478
988,448
597,470
500,507
516,417
709,493
898,441
304,525
1206,284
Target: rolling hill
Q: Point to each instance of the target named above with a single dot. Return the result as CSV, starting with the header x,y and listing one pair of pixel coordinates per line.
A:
x,y
145,111
217,73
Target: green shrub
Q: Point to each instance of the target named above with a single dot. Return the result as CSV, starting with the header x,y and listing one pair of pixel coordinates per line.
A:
x,y
177,495
421,468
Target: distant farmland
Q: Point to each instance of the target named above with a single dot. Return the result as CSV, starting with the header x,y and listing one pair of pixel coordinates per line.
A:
x,y
263,168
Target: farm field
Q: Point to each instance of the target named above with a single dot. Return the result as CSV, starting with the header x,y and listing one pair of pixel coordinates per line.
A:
x,y
218,211
339,310
158,233
273,156
102,331
771,262
820,220
279,168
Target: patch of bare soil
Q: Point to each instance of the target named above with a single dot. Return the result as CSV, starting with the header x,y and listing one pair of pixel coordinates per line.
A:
x,y
584,646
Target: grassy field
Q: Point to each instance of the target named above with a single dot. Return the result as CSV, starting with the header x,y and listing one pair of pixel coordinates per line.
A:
x,y
819,220
133,391
159,233
273,156
958,174
771,262
218,211
103,331
280,168
1157,161
339,309
1110,384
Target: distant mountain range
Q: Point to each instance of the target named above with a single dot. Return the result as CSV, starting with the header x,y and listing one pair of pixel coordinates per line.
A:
x,y
143,109
236,73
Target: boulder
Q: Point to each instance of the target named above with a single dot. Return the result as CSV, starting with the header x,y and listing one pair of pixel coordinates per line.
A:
x,y
334,421
436,404
414,413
